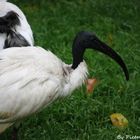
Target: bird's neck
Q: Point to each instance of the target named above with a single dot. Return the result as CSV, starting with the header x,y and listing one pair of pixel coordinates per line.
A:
x,y
78,53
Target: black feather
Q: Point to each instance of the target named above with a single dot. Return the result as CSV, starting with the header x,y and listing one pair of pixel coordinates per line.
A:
x,y
15,40
8,24
9,21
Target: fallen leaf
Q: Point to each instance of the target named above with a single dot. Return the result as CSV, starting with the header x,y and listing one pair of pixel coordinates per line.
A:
x,y
119,120
90,85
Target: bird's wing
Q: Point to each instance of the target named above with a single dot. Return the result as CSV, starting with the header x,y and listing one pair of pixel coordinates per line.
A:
x,y
26,86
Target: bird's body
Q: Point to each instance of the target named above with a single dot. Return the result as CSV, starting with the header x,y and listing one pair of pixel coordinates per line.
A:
x,y
33,79
21,33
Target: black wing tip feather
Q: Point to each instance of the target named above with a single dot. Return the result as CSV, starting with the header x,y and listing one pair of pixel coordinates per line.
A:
x,y
10,20
15,40
7,25
13,18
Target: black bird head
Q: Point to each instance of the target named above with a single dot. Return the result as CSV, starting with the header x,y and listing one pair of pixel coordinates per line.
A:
x,y
85,40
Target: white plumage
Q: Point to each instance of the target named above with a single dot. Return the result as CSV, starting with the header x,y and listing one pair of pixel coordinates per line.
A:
x,y
32,79
22,29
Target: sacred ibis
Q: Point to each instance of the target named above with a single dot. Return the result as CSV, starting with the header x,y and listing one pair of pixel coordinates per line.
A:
x,y
14,28
31,78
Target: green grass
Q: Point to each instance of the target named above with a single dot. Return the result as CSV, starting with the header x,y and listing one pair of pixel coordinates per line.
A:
x,y
83,117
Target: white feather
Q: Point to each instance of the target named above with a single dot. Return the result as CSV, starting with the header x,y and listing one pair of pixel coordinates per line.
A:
x,y
32,79
3,0
24,28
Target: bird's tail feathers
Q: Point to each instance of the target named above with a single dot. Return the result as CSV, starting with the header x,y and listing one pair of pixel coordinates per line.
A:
x,y
8,22
15,39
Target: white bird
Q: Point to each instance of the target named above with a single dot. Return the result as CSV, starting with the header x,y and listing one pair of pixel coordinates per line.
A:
x,y
14,28
31,78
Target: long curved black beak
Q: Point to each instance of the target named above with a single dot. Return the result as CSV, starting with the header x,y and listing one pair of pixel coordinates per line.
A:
x,y
85,40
